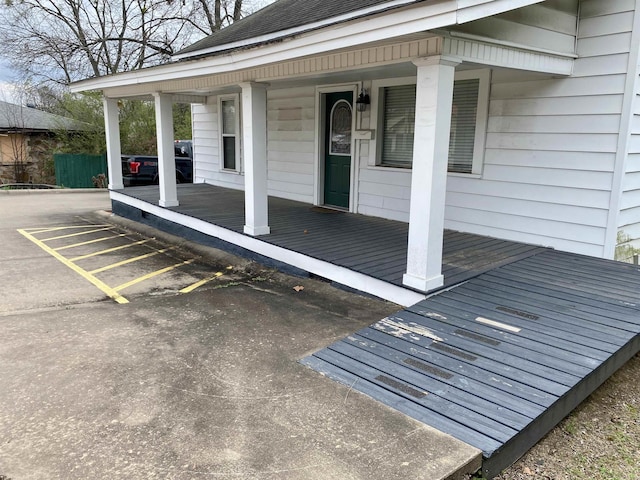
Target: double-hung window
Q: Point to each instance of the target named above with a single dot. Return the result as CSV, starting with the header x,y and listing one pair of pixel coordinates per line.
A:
x,y
229,121
396,100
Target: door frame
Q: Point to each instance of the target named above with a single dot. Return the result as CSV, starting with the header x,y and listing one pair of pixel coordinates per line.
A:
x,y
319,160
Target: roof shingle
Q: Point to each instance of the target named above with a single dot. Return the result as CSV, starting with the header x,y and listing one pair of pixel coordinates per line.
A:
x,y
280,16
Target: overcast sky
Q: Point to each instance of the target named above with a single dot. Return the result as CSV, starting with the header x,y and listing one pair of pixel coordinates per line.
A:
x,y
7,93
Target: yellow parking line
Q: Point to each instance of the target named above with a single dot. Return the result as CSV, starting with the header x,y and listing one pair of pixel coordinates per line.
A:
x,y
129,260
76,234
111,292
37,230
108,250
151,275
97,240
191,288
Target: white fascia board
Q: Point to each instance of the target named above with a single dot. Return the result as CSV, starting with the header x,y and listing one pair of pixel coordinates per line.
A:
x,y
417,18
393,24
470,10
294,31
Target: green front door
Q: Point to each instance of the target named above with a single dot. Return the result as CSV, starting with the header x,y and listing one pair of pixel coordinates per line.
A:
x,y
337,147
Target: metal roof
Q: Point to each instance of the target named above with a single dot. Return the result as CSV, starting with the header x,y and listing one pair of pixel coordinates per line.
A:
x,y
17,117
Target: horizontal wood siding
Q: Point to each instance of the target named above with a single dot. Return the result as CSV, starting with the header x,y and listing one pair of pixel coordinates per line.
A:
x,y
629,219
291,143
550,25
207,149
551,143
382,192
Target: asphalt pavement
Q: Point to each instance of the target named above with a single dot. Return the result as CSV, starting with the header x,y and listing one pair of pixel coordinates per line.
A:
x,y
195,376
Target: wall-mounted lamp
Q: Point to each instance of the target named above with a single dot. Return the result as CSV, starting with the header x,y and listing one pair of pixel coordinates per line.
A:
x,y
362,101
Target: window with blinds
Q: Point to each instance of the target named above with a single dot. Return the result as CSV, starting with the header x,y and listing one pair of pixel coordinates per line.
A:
x,y
229,124
398,120
463,125
399,113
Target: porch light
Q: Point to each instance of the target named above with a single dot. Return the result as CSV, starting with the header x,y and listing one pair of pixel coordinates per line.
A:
x,y
362,101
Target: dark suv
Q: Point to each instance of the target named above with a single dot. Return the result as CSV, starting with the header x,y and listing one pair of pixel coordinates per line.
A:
x,y
143,169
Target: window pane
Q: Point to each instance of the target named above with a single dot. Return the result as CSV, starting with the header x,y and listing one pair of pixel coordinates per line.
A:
x,y
399,114
341,129
463,125
229,152
229,117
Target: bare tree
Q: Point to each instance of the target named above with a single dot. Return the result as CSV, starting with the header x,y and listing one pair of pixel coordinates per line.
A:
x,y
67,40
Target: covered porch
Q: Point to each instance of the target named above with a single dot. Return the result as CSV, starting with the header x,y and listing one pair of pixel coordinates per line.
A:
x,y
361,252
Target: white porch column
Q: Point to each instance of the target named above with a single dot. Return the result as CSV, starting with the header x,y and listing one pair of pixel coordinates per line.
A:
x,y
112,132
166,153
254,138
434,95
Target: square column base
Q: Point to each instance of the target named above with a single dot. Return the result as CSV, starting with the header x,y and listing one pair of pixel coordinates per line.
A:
x,y
168,203
113,186
423,284
255,231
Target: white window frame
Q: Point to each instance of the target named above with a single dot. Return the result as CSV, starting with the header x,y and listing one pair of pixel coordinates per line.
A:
x,y
238,135
482,116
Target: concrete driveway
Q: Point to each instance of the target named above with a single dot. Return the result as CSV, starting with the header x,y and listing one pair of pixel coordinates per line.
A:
x,y
186,386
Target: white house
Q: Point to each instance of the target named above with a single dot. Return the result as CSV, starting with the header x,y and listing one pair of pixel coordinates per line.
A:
x,y
515,119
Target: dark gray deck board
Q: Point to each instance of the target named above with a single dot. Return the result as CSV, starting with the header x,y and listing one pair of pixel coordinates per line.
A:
x,y
530,398
372,246
496,399
564,316
580,349
575,329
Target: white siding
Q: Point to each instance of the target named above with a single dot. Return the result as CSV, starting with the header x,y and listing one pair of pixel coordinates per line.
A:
x,y
291,143
551,145
206,148
550,25
629,218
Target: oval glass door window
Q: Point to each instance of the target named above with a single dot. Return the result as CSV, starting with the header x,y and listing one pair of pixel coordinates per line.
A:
x,y
341,120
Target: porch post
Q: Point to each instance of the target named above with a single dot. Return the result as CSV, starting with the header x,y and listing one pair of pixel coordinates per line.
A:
x,y
112,132
254,137
434,96
166,154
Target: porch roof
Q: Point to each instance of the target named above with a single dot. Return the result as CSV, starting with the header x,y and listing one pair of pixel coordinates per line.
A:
x,y
370,246
392,32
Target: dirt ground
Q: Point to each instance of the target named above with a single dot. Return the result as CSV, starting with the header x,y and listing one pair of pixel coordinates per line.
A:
x,y
600,440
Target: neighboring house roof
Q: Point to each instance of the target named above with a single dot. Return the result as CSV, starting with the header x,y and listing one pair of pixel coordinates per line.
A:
x,y
287,18
19,118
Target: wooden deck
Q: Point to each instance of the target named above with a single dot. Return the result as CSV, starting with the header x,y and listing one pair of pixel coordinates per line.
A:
x,y
499,360
372,246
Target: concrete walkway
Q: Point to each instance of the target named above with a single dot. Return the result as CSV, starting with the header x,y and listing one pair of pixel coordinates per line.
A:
x,y
200,385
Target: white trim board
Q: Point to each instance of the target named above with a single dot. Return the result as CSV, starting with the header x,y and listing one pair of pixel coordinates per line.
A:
x,y
342,275
414,18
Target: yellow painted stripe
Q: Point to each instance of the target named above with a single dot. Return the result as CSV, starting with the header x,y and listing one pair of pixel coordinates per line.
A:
x,y
112,293
97,240
191,288
151,275
129,260
108,250
36,231
76,234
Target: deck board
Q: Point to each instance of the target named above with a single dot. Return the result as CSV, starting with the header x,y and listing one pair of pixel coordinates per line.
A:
x,y
372,246
532,338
